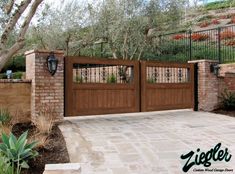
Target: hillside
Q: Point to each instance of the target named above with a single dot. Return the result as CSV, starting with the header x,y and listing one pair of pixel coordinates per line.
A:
x,y
208,17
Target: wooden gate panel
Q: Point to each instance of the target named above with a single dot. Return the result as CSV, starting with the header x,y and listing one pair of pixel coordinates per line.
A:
x,y
166,86
93,95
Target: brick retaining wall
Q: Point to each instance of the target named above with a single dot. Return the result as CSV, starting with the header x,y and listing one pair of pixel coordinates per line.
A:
x,y
15,95
210,86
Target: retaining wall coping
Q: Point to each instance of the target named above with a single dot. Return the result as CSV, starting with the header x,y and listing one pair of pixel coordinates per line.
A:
x,y
203,60
63,167
43,51
15,81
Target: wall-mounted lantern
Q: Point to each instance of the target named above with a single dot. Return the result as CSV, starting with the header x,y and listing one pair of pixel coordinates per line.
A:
x,y
214,68
52,63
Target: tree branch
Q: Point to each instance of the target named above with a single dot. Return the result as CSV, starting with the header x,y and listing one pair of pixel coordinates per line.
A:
x,y
12,22
134,52
9,53
28,19
9,7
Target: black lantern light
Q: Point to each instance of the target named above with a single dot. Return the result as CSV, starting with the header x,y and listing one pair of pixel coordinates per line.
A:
x,y
214,68
52,63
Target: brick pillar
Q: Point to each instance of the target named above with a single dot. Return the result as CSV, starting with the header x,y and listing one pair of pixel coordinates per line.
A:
x,y
208,86
47,91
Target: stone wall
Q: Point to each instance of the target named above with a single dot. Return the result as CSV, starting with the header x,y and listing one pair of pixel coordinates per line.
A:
x,y
47,91
15,95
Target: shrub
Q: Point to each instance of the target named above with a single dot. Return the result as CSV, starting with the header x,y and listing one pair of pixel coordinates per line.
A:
x,y
112,79
199,37
45,120
215,21
223,17
44,123
204,18
227,34
230,43
5,121
3,76
41,139
151,80
204,24
17,75
178,37
5,166
5,116
78,79
219,5
232,20
18,152
227,100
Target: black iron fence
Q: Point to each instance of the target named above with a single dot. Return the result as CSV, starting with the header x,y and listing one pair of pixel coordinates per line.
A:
x,y
216,44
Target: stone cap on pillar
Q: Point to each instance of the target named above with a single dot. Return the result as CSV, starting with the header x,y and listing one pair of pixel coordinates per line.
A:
x,y
43,52
203,60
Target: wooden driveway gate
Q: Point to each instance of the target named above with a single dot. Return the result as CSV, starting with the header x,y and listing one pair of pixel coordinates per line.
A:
x,y
103,86
98,86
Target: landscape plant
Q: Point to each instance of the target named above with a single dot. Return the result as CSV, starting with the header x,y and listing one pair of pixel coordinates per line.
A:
x,y
112,79
78,79
44,123
219,5
178,37
227,34
17,151
5,121
215,21
5,166
199,37
5,116
17,75
204,24
151,80
232,20
227,100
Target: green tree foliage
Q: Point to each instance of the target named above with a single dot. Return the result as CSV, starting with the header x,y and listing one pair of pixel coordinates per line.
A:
x,y
125,29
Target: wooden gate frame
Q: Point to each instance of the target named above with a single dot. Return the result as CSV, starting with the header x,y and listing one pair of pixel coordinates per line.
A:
x,y
69,85
144,84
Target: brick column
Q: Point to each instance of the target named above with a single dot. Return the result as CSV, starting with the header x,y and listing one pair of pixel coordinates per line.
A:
x,y
208,86
47,92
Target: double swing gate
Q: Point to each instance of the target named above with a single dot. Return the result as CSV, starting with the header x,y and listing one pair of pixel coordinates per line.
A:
x,y
104,86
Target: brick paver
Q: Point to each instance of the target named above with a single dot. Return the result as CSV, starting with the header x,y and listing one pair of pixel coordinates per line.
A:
x,y
146,143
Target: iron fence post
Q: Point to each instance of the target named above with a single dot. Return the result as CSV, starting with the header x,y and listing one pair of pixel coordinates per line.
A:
x,y
219,44
190,44
101,49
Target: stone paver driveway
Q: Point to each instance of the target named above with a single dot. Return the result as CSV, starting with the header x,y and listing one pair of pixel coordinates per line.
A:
x,y
146,143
